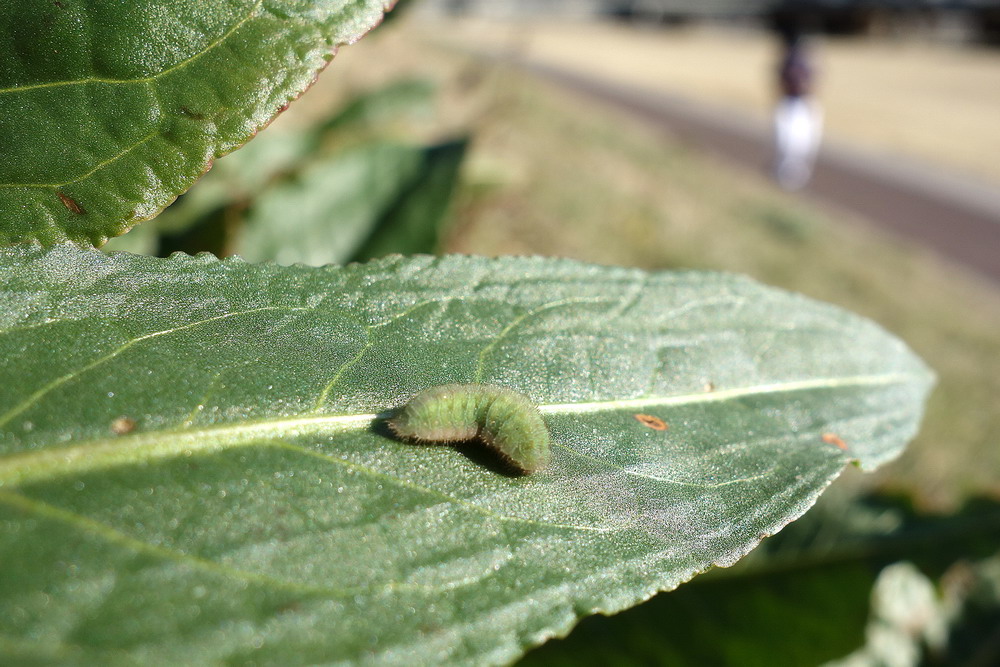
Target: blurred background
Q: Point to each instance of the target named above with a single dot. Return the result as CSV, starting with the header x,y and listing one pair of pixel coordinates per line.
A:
x,y
643,133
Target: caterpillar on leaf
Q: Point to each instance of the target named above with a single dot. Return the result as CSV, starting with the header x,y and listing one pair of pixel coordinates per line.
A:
x,y
502,419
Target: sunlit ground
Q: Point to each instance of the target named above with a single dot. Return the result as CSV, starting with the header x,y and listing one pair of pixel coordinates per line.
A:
x,y
936,102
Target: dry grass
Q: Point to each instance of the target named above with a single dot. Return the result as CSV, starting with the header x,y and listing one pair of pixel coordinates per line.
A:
x,y
937,103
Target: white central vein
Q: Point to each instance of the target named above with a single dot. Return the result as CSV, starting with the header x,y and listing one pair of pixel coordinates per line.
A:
x,y
26,467
725,394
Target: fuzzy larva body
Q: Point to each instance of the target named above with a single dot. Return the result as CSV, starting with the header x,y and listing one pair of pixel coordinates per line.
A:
x,y
502,419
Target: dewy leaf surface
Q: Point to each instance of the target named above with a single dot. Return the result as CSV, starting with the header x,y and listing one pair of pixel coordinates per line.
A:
x,y
109,110
193,467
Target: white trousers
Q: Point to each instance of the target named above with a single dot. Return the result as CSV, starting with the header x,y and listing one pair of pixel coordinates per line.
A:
x,y
798,126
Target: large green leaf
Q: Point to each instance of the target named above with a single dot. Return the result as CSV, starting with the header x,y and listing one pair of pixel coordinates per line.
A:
x,y
193,467
109,110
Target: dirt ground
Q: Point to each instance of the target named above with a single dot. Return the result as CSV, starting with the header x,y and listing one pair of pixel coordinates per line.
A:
x,y
937,103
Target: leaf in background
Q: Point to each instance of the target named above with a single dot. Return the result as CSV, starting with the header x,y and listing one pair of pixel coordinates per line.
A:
x,y
140,240
795,618
109,110
906,616
240,176
373,111
234,180
415,222
376,198
813,582
914,620
201,474
210,215
971,595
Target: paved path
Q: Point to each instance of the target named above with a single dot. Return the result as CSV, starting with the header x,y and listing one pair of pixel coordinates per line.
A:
x,y
959,219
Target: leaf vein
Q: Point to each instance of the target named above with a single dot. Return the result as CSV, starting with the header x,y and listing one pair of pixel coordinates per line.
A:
x,y
179,65
112,535
97,168
29,466
58,382
369,343
485,353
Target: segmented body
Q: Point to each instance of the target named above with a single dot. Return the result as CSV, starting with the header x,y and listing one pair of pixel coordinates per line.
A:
x,y
502,419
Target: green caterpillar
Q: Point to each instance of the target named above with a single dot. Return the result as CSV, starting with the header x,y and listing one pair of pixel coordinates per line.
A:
x,y
502,419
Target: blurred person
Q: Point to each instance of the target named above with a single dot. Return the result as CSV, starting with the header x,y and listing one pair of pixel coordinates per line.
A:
x,y
798,119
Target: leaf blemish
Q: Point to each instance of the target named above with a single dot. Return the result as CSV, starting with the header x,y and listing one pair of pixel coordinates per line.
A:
x,y
193,115
652,422
71,204
122,426
834,439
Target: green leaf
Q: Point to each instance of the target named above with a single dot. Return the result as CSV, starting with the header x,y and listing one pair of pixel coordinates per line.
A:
x,y
368,201
201,473
239,177
109,110
416,220
210,216
397,103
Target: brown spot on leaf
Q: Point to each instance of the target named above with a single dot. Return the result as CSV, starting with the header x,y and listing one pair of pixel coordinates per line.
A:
x,y
193,115
289,607
652,422
122,425
709,386
834,439
70,203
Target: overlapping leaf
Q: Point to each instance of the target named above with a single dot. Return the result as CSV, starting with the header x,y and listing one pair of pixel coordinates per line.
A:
x,y
109,110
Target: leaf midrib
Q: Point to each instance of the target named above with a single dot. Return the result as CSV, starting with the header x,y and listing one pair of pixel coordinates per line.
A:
x,y
35,466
